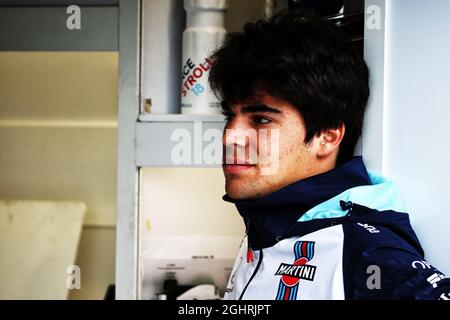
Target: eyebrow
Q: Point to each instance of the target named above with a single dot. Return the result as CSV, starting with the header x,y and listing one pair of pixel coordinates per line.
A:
x,y
259,108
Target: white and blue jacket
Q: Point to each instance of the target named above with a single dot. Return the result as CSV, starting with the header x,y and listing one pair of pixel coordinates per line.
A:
x,y
337,235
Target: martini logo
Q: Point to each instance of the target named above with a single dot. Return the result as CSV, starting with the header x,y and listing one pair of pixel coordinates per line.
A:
x,y
291,274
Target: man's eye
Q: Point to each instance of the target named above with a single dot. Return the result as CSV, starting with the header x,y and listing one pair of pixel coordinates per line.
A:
x,y
260,120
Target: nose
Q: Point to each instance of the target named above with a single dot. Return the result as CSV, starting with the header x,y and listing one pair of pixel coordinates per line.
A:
x,y
235,141
234,134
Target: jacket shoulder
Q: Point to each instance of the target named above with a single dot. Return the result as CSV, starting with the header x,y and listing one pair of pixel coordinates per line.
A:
x,y
383,259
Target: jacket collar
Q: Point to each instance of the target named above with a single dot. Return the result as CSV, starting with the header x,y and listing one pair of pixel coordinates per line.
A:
x,y
269,217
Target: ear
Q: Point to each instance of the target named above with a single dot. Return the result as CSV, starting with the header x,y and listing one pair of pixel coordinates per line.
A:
x,y
329,141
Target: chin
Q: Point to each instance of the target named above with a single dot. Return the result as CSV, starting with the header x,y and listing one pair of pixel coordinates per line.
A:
x,y
240,191
235,194
236,190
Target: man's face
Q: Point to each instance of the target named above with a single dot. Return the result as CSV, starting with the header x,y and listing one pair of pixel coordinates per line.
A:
x,y
282,157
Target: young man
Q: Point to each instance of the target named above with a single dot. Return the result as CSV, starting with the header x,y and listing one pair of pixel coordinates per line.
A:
x,y
319,226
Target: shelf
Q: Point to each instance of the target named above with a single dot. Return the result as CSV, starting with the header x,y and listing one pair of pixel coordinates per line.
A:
x,y
148,117
158,135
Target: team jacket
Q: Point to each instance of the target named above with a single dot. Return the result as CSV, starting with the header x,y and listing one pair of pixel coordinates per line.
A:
x,y
337,235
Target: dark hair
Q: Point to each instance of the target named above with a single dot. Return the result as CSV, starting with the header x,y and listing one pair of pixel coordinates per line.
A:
x,y
306,61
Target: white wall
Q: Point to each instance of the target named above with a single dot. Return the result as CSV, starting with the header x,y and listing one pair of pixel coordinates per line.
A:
x,y
406,135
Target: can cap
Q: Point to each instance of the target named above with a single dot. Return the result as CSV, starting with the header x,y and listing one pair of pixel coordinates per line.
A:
x,y
206,4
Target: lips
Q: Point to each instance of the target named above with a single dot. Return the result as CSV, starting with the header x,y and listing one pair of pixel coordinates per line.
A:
x,y
237,162
234,168
234,164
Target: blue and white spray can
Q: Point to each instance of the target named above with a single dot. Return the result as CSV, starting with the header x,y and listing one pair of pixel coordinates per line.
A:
x,y
204,34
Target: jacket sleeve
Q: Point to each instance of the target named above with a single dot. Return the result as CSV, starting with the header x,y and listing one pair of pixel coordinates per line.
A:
x,y
382,265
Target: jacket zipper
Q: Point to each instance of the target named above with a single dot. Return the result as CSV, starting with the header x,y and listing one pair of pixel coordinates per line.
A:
x,y
250,259
254,273
344,205
249,250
